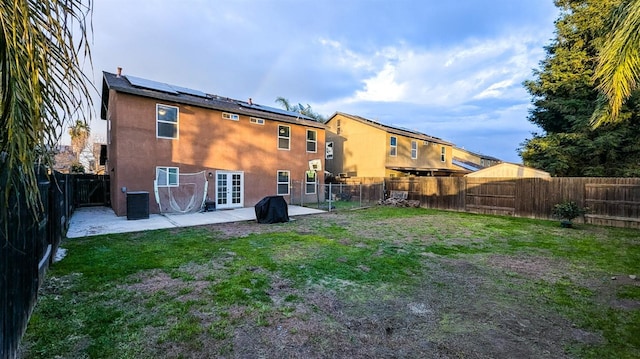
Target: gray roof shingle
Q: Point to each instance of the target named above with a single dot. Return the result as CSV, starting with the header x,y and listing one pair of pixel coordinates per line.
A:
x,y
182,95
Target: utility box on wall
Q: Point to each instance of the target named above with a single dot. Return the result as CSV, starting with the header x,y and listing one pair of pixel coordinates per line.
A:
x,y
138,205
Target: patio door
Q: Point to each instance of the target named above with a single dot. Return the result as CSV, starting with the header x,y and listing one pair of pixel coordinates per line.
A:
x,y
229,189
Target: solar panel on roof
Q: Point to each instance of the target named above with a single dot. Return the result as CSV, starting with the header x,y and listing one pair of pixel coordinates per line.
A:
x,y
464,165
189,91
276,110
151,85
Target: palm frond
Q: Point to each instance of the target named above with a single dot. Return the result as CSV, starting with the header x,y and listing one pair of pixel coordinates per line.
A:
x,y
42,86
618,71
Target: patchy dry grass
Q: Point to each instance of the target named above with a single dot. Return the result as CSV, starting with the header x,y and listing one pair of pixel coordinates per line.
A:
x,y
381,282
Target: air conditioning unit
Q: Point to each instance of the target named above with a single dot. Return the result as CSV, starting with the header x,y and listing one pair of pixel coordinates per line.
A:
x,y
137,205
343,175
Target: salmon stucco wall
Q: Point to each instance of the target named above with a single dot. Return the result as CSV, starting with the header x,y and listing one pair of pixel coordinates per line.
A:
x,y
205,142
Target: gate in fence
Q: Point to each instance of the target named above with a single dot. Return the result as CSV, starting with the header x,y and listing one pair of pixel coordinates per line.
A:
x,y
91,190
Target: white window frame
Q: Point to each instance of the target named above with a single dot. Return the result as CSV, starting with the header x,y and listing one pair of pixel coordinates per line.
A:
x,y
311,184
314,141
393,149
230,116
256,121
414,149
279,183
176,123
288,138
443,154
167,172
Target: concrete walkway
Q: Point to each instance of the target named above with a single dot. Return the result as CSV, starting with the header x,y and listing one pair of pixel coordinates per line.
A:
x,y
93,221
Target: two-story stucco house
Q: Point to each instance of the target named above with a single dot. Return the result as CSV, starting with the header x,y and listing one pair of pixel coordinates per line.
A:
x,y
359,147
186,147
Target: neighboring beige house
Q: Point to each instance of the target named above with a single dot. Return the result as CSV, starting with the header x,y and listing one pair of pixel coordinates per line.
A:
x,y
509,170
185,147
469,161
359,147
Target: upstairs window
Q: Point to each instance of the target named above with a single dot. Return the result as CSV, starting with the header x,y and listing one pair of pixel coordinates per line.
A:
x,y
166,121
312,141
283,183
443,154
167,176
256,121
414,149
230,116
393,143
284,137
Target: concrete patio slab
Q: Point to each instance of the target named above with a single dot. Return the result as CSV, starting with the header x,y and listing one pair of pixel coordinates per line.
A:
x,y
93,221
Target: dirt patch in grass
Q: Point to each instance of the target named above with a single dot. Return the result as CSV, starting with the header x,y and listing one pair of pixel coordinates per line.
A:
x,y
536,267
157,281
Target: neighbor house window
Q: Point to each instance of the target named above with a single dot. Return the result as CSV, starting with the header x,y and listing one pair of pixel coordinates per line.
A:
x,y
394,146
167,176
257,121
310,183
284,137
166,121
414,149
443,154
312,141
328,151
283,183
230,116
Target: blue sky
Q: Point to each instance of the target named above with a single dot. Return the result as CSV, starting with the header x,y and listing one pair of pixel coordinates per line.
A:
x,y
451,69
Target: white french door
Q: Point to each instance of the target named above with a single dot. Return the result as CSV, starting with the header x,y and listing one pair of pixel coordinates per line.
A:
x,y
229,189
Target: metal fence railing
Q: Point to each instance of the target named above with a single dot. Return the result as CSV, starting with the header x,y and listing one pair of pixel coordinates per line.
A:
x,y
336,196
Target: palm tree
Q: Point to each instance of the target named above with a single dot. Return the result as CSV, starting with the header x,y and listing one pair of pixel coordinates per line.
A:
x,y
618,70
79,133
41,87
299,108
284,103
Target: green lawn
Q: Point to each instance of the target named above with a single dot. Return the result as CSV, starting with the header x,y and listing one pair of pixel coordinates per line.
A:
x,y
378,282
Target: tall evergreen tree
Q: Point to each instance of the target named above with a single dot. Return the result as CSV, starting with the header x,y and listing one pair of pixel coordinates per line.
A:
x,y
564,98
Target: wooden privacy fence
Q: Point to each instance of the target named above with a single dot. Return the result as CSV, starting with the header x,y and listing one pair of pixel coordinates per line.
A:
x,y
611,201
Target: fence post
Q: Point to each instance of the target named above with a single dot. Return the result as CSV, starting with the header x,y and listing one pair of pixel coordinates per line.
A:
x,y
329,196
360,194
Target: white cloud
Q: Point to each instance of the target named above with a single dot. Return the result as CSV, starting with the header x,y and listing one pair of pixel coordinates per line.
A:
x,y
492,68
383,87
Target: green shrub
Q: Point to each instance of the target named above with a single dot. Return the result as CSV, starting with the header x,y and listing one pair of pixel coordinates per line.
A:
x,y
568,210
